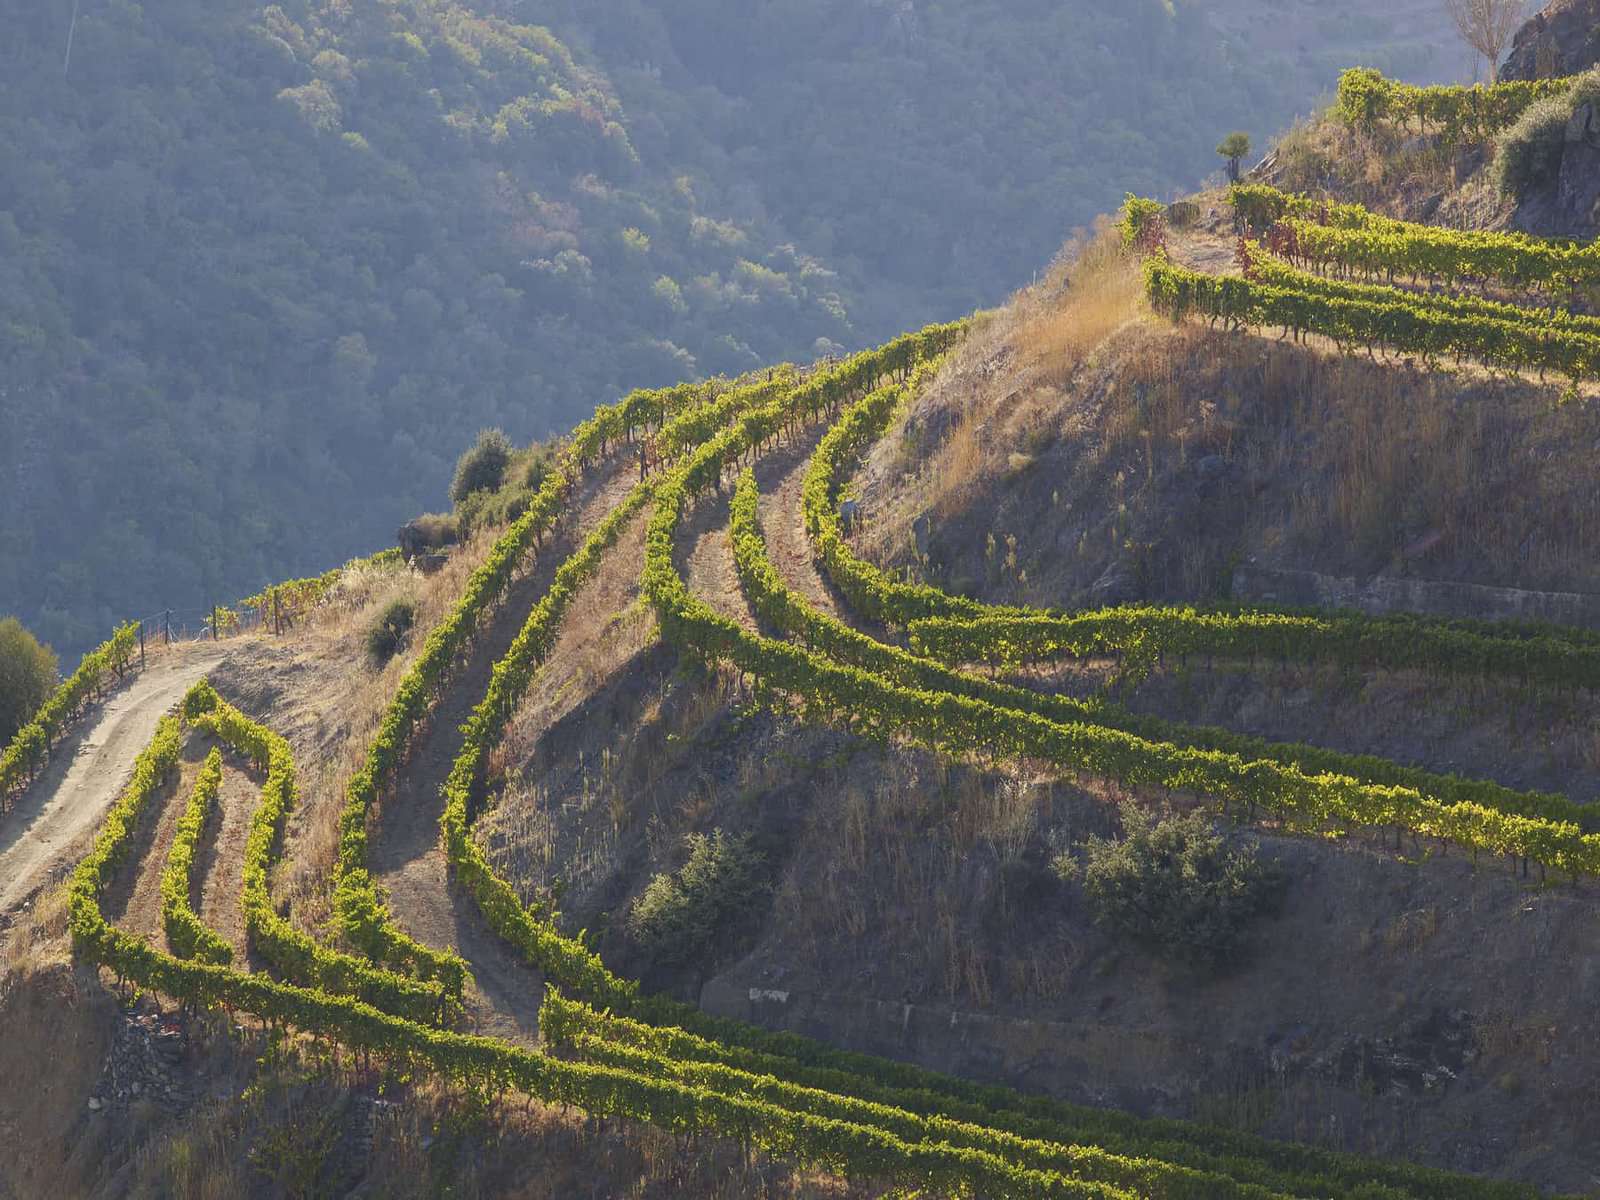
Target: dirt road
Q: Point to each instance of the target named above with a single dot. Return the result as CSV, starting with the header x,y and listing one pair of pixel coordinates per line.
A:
x,y
65,804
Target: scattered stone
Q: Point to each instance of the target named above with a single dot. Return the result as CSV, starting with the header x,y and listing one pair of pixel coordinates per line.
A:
x,y
147,1049
1425,1057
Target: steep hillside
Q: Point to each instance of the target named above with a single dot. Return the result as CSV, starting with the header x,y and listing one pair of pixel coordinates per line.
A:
x,y
266,269
909,772
267,263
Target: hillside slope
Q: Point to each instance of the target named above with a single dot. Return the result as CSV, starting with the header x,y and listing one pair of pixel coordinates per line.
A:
x,y
267,264
736,732
264,263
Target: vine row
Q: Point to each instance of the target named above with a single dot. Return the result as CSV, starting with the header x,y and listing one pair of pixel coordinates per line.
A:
x,y
1455,113
1404,324
187,935
29,750
292,951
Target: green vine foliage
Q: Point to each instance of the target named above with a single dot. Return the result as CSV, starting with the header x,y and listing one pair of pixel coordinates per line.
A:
x,y
1367,101
663,1097
187,935
359,907
291,950
965,725
1407,325
1530,654
1262,267
656,1060
29,750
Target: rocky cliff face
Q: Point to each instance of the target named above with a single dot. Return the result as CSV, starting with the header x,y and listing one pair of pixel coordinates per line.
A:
x,y
1563,39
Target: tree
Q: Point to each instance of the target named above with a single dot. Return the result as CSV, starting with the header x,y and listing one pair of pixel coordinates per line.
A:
x,y
1235,147
679,917
1487,25
483,467
1176,884
27,676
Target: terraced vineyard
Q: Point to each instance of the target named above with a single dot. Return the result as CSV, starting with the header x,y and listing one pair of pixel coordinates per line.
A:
x,y
607,1047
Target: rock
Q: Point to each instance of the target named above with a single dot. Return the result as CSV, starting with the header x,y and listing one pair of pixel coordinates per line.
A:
x,y
921,535
849,513
1564,39
1115,586
1578,187
95,1104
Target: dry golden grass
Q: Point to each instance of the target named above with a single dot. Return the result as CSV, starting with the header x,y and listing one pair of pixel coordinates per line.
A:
x,y
1038,342
1095,290
1355,466
39,939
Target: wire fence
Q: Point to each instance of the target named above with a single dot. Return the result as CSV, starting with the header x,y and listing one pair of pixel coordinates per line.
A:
x,y
202,624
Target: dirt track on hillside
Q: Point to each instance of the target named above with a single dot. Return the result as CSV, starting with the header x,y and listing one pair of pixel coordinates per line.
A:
x,y
61,810
405,854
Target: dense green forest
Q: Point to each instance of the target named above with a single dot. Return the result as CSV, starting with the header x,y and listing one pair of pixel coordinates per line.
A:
x,y
265,270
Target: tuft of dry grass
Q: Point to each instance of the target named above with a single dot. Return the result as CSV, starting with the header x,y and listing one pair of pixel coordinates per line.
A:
x,y
39,940
921,855
1095,289
1039,341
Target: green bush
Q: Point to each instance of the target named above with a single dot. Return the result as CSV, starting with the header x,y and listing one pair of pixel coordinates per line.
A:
x,y
542,459
27,677
435,531
1176,884
679,914
388,633
1529,153
483,467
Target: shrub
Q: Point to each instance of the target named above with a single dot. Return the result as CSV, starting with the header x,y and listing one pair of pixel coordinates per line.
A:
x,y
388,633
542,460
439,529
483,467
678,915
1176,884
27,677
1529,153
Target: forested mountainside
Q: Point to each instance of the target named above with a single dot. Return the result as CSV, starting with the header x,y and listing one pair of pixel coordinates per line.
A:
x,y
264,269
937,153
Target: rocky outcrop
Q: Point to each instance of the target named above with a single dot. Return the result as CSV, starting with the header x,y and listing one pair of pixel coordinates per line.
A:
x,y
1563,39
1577,195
